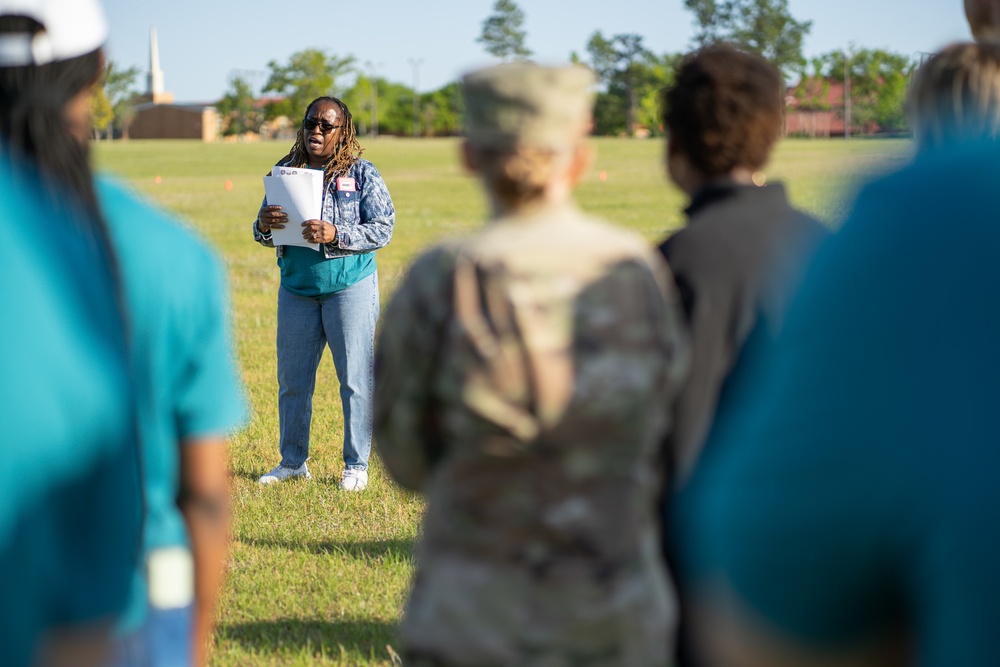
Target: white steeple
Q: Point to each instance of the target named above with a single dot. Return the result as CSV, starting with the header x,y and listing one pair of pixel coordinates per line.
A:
x,y
155,73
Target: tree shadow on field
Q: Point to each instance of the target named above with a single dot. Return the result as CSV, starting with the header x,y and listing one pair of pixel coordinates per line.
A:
x,y
358,638
394,549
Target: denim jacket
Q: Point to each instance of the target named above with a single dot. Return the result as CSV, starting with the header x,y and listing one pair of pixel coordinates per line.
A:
x,y
363,219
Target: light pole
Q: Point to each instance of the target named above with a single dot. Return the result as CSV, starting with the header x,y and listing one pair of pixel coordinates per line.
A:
x,y
415,64
373,74
847,96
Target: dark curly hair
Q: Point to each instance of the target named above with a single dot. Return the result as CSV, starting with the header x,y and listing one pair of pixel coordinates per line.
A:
x,y
348,149
724,109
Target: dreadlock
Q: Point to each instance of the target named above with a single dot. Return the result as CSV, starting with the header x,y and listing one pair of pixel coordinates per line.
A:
x,y
348,149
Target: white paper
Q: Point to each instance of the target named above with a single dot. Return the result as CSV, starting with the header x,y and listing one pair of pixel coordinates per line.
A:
x,y
299,193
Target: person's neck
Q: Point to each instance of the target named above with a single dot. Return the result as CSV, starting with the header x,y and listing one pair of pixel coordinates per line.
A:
x,y
737,176
557,193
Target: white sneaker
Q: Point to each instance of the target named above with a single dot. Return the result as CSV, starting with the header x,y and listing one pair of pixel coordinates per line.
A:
x,y
280,474
354,480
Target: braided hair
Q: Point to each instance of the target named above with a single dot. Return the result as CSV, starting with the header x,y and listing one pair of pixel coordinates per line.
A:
x,y
348,149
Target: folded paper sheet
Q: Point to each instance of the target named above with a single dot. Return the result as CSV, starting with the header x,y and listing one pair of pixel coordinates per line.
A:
x,y
299,192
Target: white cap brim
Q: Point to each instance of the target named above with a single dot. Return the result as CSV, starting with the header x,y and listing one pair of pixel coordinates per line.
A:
x,y
71,28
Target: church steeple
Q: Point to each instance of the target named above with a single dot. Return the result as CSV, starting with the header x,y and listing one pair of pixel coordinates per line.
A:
x,y
155,80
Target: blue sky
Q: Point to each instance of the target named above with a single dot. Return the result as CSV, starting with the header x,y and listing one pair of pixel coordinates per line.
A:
x,y
205,42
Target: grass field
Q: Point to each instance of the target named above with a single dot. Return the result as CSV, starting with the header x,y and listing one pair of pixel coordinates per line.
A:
x,y
318,576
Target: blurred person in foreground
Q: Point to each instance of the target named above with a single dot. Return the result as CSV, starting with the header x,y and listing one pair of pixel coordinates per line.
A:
x,y
741,255
184,382
845,506
520,374
69,496
984,19
329,296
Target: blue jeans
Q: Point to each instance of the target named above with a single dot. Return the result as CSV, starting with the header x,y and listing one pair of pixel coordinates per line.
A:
x,y
163,640
345,321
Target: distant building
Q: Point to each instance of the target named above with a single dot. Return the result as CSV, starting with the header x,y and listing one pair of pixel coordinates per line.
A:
x,y
175,121
815,108
159,118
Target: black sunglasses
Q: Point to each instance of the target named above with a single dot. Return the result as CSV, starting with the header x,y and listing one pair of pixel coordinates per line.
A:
x,y
311,124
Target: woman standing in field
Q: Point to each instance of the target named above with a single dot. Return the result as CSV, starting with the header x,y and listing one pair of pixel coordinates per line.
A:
x,y
329,297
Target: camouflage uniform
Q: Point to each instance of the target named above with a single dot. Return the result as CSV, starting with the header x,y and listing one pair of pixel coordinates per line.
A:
x,y
520,379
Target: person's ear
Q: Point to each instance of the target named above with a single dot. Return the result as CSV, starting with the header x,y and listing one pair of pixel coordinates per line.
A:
x,y
582,161
102,63
678,168
469,158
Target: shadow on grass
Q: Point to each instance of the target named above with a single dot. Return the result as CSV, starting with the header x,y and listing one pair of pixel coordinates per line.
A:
x,y
253,476
247,475
360,638
395,549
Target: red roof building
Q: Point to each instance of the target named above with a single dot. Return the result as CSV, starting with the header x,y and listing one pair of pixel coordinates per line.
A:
x,y
815,108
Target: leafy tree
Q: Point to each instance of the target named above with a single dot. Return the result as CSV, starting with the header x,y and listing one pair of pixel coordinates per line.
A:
x,y
764,27
394,106
813,88
117,86
711,17
309,74
658,74
443,110
503,35
238,110
621,63
101,113
878,82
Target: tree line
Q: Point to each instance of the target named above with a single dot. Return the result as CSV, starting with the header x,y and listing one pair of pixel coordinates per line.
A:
x,y
631,78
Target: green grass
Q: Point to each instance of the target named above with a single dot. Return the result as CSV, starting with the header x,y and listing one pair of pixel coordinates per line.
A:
x,y
317,576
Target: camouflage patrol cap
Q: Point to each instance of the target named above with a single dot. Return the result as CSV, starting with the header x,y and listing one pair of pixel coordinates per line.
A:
x,y
524,104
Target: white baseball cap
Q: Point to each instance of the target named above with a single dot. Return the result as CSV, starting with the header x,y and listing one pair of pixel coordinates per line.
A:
x,y
70,28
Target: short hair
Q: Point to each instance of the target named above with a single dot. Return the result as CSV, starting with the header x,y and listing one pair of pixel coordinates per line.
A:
x,y
518,177
955,95
724,110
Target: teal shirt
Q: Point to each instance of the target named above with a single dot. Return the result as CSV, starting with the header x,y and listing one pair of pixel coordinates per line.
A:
x,y
68,519
364,219
306,272
848,491
186,378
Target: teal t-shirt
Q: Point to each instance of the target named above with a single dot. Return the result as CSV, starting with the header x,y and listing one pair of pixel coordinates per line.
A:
x,y
306,272
848,491
68,520
183,362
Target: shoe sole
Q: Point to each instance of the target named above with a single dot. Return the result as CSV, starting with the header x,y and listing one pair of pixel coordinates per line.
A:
x,y
353,488
267,480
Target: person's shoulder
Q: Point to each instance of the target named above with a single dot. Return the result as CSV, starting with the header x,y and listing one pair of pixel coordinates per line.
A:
x,y
429,278
436,262
957,169
136,222
699,248
363,166
611,234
